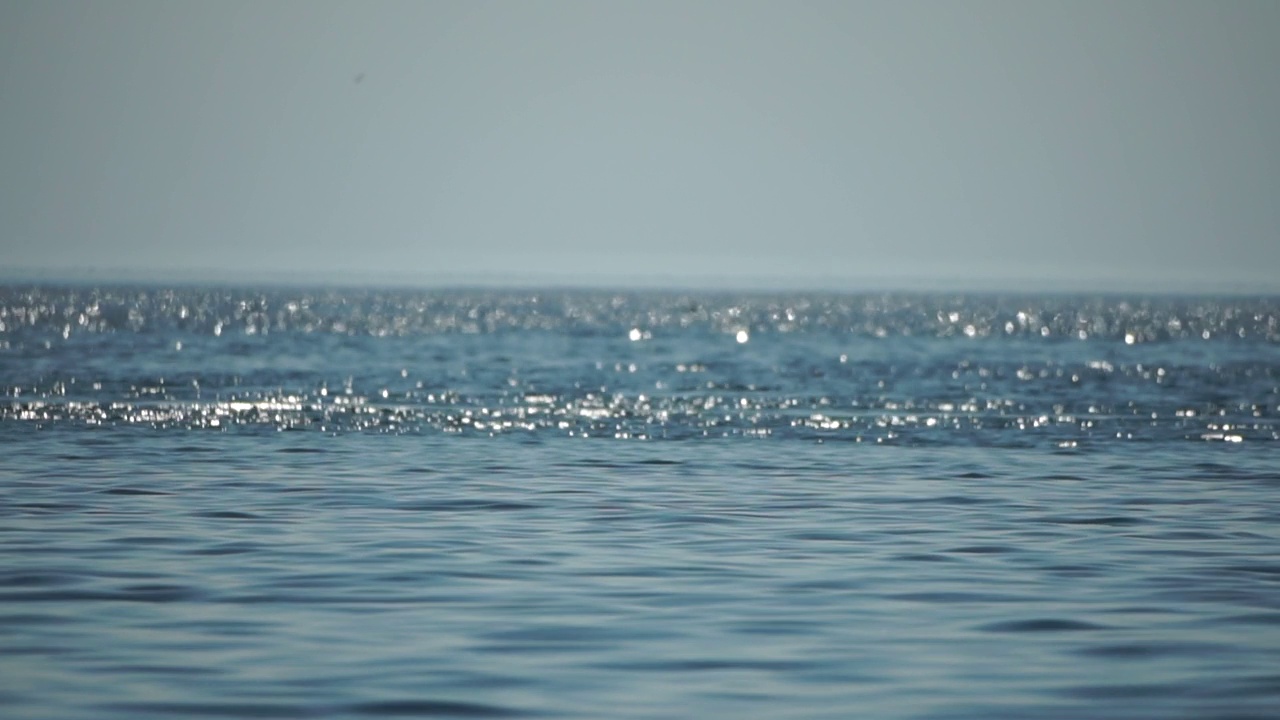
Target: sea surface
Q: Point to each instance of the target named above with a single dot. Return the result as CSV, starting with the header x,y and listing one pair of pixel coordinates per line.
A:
x,y
286,502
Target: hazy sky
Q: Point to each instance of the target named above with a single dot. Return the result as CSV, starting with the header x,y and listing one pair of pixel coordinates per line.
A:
x,y
834,144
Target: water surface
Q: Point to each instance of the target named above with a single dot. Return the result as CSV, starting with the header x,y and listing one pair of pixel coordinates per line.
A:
x,y
292,503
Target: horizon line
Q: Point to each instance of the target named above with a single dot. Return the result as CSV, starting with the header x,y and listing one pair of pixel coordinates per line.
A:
x,y
687,283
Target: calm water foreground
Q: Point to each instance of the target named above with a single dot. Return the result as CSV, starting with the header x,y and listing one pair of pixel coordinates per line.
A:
x,y
281,503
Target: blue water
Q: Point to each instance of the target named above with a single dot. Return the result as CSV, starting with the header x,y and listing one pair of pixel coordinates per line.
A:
x,y
295,503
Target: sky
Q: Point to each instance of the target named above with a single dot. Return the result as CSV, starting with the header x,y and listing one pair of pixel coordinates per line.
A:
x,y
834,145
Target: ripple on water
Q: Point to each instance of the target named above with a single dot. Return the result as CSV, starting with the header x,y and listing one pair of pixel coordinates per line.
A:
x,y
1041,625
457,503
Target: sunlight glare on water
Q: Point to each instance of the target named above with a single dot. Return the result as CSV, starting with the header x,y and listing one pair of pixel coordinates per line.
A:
x,y
295,503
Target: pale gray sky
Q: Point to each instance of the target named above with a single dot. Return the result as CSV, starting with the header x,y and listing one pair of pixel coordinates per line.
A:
x,y
829,144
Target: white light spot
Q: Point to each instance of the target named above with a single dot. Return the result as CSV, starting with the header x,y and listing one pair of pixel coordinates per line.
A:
x,y
742,336
1129,339
635,334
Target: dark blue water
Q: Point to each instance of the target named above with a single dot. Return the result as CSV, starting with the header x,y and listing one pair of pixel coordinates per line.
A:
x,y
287,503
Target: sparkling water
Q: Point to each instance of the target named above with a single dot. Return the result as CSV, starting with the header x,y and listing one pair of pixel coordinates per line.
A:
x,y
345,503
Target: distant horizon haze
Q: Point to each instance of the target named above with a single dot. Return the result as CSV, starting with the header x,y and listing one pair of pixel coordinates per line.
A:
x,y
984,145
852,285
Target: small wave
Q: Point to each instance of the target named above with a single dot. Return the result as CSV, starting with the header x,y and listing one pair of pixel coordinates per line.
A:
x,y
1042,625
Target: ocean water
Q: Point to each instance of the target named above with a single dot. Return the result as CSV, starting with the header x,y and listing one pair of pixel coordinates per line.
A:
x,y
286,503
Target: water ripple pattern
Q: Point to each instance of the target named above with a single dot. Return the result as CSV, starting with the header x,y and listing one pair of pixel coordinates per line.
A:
x,y
366,504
